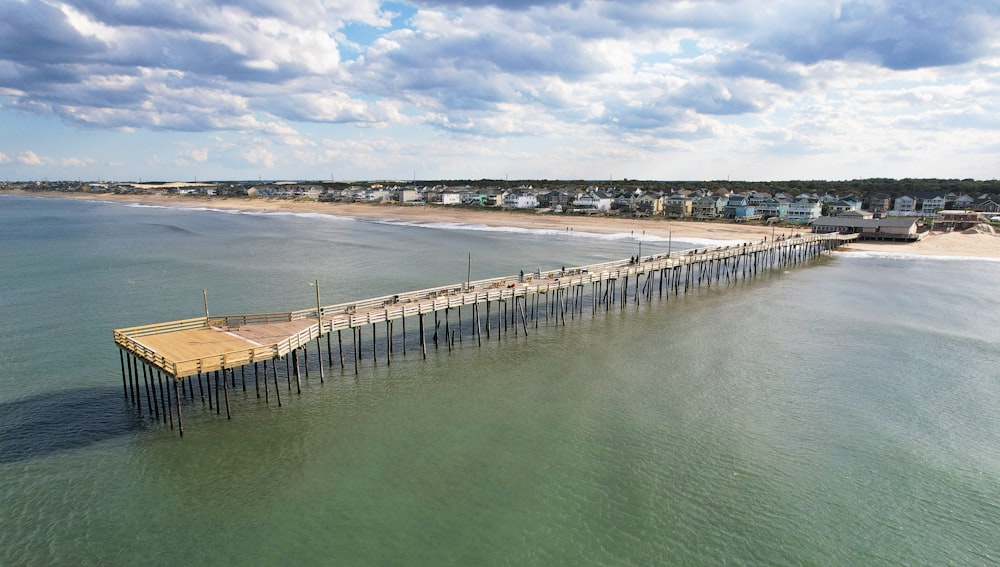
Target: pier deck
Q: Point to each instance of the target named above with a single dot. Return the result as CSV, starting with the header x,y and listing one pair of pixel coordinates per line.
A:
x,y
205,344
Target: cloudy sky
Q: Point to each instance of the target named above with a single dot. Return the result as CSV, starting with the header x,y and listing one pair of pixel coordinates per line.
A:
x,y
431,89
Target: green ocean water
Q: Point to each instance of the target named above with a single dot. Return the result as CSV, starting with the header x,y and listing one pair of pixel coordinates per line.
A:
x,y
846,412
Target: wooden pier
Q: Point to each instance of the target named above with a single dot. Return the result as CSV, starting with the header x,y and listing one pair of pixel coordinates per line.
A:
x,y
217,346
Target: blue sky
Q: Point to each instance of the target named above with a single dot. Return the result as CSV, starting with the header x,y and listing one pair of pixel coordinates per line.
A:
x,y
434,89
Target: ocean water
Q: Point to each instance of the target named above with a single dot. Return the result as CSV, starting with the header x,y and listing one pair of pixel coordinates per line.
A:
x,y
844,412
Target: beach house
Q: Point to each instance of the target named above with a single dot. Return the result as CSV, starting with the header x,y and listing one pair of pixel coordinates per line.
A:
x,y
708,207
772,208
904,205
804,210
678,206
520,200
594,200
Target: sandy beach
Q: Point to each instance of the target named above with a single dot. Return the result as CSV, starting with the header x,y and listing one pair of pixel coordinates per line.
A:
x,y
934,244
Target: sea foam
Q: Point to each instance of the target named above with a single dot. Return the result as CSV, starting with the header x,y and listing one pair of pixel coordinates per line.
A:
x,y
867,254
614,236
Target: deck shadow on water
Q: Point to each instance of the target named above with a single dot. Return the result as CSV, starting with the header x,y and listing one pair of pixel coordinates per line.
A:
x,y
60,421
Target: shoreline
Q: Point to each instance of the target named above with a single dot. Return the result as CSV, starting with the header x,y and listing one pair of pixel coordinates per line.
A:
x,y
957,245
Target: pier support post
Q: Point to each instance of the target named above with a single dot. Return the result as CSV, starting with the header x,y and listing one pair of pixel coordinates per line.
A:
x,y
145,381
436,325
447,328
277,390
168,409
137,399
225,392
177,397
423,342
340,348
164,396
295,364
319,359
524,322
329,353
131,386
357,354
121,357
256,379
403,320
154,404
478,329
388,342
267,393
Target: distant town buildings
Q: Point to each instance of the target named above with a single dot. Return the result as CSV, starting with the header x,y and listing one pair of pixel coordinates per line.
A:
x,y
682,200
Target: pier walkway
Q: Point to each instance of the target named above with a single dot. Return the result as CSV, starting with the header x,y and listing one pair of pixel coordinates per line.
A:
x,y
208,344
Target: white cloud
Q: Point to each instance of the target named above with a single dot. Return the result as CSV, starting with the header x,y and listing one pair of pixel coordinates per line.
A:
x,y
273,79
30,158
259,157
76,162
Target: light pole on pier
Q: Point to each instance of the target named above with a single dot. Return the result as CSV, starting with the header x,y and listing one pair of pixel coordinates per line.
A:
x,y
319,310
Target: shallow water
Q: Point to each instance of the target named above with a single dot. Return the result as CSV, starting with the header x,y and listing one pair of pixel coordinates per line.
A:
x,y
839,413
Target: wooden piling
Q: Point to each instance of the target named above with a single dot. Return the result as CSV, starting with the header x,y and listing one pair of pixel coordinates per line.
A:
x,y
329,353
154,404
267,394
340,348
225,391
295,365
277,390
319,359
138,399
121,357
169,409
256,378
357,354
423,342
305,360
145,381
177,397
